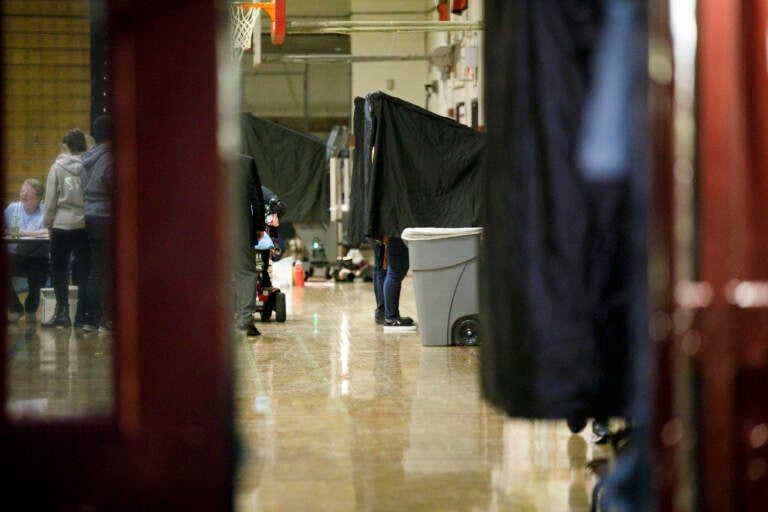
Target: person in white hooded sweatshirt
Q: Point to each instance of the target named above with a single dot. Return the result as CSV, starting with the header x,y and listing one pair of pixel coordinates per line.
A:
x,y
65,220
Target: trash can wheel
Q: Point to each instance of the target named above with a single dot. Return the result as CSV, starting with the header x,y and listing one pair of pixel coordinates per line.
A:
x,y
466,331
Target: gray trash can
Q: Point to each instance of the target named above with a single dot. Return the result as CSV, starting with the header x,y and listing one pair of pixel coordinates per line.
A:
x,y
444,263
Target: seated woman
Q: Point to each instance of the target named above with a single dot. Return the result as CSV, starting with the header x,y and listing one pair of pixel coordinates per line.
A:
x,y
27,260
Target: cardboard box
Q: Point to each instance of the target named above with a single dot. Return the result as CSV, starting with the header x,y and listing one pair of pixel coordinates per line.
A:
x,y
48,301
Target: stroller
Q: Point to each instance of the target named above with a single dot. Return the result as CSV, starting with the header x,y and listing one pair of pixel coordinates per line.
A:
x,y
268,297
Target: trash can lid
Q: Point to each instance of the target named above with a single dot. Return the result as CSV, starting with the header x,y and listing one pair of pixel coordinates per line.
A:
x,y
435,233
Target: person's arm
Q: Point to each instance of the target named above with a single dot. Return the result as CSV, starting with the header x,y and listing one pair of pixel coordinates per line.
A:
x,y
7,219
51,192
268,194
256,197
34,232
250,199
107,177
36,228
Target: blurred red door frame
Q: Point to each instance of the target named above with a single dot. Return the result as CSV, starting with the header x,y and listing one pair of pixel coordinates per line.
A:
x,y
170,444
712,414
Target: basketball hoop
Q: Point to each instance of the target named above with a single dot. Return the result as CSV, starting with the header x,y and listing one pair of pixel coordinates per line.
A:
x,y
243,17
242,22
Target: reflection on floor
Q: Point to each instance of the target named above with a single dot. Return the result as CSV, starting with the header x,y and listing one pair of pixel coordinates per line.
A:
x,y
58,373
334,415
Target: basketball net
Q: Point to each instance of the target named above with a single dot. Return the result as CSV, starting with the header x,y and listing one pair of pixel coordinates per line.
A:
x,y
242,22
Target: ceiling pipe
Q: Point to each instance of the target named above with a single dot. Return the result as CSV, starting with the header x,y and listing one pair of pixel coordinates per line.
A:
x,y
336,58
348,27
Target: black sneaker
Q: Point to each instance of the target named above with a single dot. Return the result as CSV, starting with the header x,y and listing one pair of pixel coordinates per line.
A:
x,y
576,423
379,320
601,432
81,319
60,319
400,324
249,330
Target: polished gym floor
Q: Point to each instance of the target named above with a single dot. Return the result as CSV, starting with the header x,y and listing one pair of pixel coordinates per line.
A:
x,y
58,373
333,414
336,415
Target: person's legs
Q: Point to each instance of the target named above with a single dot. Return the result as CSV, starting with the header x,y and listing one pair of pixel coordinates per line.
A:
x,y
36,270
93,288
397,268
80,269
107,310
379,272
60,253
15,269
61,250
96,287
14,304
245,289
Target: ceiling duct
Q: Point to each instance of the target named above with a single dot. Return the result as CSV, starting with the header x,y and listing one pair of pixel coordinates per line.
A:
x,y
349,27
336,58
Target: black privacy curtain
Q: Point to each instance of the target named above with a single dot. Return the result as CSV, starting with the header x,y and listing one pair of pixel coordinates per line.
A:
x,y
558,263
292,164
424,170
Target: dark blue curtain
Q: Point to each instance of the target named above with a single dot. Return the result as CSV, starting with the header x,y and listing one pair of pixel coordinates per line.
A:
x,y
563,285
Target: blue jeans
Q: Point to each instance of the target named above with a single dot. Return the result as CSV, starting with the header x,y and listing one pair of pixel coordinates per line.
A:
x,y
390,265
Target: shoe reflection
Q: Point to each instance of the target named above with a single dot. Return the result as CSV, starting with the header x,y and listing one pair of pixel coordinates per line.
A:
x,y
578,496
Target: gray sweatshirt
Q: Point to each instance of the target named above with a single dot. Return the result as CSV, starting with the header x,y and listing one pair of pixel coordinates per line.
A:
x,y
64,195
97,181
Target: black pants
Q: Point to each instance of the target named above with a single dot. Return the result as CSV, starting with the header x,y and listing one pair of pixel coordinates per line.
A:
x,y
245,277
98,305
266,282
64,244
36,271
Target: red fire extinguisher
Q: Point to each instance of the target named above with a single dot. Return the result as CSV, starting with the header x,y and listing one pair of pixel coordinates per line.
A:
x,y
459,6
456,6
298,274
442,11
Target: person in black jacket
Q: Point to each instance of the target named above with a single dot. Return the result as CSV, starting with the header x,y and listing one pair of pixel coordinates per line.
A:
x,y
97,182
274,208
251,229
